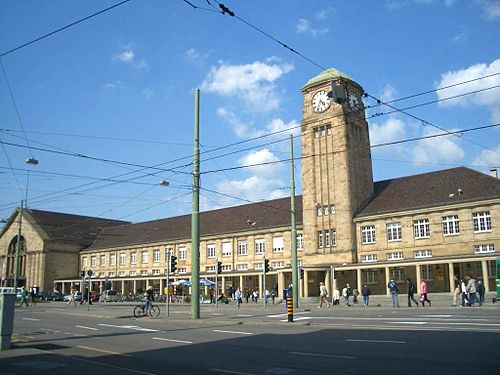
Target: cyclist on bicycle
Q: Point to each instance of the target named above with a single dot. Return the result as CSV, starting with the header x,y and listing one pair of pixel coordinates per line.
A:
x,y
149,298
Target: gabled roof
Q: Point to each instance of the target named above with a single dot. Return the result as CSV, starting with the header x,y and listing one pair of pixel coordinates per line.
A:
x,y
249,217
450,186
70,228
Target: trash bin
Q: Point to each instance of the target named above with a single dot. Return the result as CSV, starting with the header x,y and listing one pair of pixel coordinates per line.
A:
x,y
7,302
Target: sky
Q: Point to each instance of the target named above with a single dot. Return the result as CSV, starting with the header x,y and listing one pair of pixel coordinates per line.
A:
x,y
106,105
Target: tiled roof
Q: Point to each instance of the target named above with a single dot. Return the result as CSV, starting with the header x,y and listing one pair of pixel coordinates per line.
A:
x,y
70,228
248,217
450,186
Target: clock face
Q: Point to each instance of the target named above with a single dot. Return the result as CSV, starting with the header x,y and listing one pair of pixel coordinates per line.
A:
x,y
354,102
320,101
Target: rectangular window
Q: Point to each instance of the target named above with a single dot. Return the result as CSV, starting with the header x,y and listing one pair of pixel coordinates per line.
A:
x,y
144,257
226,268
156,272
242,248
482,249
102,260
84,262
333,237
112,259
481,221
123,259
421,228
182,253
133,258
368,258
278,246
210,269
182,270
133,273
321,244
144,272
111,274
211,251
368,234
242,267
426,271
169,251
227,249
258,266
423,254
394,232
395,256
451,225
398,274
276,265
156,255
93,261
327,238
300,242
260,246
121,274
369,277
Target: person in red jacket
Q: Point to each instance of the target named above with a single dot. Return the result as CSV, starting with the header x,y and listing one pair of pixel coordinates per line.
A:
x,y
423,293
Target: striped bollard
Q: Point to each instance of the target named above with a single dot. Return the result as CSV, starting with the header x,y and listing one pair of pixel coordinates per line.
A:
x,y
289,307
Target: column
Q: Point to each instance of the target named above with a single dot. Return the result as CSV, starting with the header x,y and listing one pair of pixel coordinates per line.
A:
x,y
387,278
135,286
241,283
261,276
223,284
306,284
486,280
359,281
328,282
419,277
123,286
281,283
451,277
161,286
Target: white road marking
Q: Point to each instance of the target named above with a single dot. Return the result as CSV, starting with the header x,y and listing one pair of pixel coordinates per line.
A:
x,y
172,340
324,355
244,315
237,332
286,314
378,341
90,328
414,323
135,328
32,319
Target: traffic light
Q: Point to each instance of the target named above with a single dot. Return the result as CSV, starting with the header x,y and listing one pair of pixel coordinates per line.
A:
x,y
83,273
173,263
266,265
219,267
301,273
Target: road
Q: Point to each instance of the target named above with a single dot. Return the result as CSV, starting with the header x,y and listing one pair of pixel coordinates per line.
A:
x,y
52,338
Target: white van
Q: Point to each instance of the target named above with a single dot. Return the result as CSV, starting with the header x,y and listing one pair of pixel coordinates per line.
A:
x,y
6,289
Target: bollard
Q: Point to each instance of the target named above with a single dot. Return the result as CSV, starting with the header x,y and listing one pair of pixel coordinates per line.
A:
x,y
7,302
289,306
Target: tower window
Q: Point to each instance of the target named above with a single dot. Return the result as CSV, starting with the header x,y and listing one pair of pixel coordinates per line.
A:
x,y
322,131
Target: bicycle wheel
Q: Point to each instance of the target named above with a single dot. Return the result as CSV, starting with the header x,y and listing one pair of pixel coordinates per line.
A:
x,y
138,311
154,311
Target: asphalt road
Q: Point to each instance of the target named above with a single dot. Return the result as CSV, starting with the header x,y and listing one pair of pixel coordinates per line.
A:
x,y
52,338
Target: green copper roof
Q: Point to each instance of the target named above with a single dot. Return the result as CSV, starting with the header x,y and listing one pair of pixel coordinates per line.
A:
x,y
326,75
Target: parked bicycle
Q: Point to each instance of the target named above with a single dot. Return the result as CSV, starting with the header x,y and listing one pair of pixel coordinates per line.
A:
x,y
152,310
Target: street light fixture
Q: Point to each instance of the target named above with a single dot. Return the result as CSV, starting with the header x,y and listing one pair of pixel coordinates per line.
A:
x,y
164,182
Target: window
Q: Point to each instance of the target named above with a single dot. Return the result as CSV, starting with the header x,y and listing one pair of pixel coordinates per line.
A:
x,y
369,277
481,221
481,249
156,255
333,237
210,269
84,262
320,239
326,210
182,253
426,271
242,248
423,254
111,274
327,238
100,274
368,234
169,251
398,274
211,251
226,267
123,259
102,260
260,246
144,272
112,259
156,272
279,264
181,270
133,273
421,228
395,256
300,242
227,249
451,225
322,131
258,266
133,258
144,257
93,261
242,267
394,232
278,245
121,274
368,258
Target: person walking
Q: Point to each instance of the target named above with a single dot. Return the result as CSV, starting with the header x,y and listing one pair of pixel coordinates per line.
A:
x,y
463,289
33,295
346,292
237,297
393,289
72,299
24,294
365,292
480,292
456,294
411,292
423,293
472,290
336,297
323,294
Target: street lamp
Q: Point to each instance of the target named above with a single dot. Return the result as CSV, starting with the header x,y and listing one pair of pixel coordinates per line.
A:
x,y
31,161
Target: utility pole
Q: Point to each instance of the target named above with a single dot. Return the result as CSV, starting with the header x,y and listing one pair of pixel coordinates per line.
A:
x,y
295,271
195,214
18,246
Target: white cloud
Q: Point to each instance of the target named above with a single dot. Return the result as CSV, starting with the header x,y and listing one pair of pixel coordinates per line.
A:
x,y
460,38
127,56
195,55
488,158
304,26
388,93
391,130
251,84
488,98
437,150
491,9
259,157
254,188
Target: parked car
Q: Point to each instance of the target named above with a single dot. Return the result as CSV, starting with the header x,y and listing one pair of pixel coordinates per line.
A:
x,y
78,297
109,296
44,295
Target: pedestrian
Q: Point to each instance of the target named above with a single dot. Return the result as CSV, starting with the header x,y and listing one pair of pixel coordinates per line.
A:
x,y
237,297
86,297
472,290
365,292
463,289
273,296
393,289
33,295
336,297
346,292
246,295
255,296
423,293
72,298
24,294
480,292
323,295
355,294
267,294
456,294
411,292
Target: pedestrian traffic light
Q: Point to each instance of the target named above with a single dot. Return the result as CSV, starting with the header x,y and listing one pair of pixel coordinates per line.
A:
x,y
301,273
266,265
219,267
83,273
173,263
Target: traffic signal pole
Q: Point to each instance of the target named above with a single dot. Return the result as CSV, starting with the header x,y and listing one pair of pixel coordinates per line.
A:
x,y
195,215
295,278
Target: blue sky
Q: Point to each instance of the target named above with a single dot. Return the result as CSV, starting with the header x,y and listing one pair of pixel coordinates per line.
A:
x,y
100,102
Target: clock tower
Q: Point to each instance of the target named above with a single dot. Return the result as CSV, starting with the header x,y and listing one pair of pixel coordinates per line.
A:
x,y
337,179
